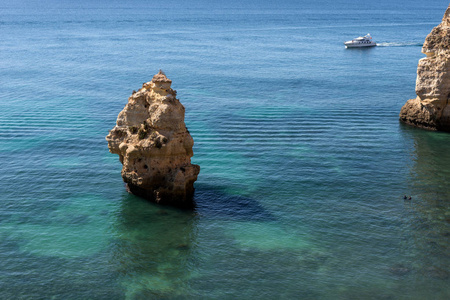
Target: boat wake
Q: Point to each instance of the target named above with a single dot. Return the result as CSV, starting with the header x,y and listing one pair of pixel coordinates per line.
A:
x,y
396,44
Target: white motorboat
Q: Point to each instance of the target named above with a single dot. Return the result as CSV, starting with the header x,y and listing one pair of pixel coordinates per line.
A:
x,y
362,41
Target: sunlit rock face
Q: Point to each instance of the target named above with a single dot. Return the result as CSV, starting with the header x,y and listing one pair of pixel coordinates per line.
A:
x,y
154,145
431,109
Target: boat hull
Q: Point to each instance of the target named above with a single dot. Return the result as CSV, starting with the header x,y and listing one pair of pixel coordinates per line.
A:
x,y
359,45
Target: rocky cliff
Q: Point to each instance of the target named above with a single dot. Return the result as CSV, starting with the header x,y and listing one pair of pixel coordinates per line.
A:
x,y
431,108
154,145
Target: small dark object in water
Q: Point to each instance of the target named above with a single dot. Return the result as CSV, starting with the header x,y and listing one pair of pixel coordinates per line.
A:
x,y
399,270
409,198
404,197
182,247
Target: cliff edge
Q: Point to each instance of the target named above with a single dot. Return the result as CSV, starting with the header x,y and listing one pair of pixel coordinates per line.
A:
x,y
431,109
154,145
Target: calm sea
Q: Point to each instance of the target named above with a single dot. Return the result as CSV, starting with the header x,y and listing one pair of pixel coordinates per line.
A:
x,y
304,163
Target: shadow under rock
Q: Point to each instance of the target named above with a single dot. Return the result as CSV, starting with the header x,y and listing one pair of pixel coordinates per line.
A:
x,y
213,202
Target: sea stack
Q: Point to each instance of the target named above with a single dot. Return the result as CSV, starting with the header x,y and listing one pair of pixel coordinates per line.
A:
x,y
431,108
155,146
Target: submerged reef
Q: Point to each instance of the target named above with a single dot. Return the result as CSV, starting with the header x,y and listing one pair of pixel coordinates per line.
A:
x,y
154,145
431,109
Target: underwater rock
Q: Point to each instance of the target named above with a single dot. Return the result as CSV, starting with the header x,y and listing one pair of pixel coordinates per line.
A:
x,y
431,109
154,145
437,273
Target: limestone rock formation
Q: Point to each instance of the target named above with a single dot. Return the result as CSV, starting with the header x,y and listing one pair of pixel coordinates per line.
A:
x,y
431,108
154,145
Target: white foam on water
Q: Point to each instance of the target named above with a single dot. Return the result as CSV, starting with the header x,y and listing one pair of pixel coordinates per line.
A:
x,y
399,44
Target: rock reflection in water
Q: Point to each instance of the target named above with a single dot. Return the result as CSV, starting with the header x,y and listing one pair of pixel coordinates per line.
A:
x,y
429,211
153,249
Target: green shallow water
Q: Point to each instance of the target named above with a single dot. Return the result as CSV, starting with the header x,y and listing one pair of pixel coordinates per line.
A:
x,y
303,161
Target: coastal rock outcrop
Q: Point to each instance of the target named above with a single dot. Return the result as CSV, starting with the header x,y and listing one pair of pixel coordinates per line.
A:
x,y
431,108
154,145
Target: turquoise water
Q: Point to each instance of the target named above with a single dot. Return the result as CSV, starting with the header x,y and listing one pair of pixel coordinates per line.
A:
x,y
304,163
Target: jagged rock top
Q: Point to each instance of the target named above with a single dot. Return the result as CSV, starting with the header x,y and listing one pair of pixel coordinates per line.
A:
x,y
439,38
446,18
161,77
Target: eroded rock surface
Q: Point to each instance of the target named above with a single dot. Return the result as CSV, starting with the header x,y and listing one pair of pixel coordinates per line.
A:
x,y
431,109
154,145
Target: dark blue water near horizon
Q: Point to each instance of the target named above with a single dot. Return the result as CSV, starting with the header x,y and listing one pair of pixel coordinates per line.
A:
x,y
304,163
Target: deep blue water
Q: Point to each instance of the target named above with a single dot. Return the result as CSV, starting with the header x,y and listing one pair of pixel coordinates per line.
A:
x,y
303,161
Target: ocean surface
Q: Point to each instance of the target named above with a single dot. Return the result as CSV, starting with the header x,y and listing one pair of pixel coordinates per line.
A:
x,y
304,163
